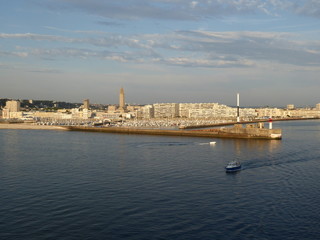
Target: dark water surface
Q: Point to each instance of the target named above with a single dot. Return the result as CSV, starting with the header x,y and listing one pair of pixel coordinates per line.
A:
x,y
76,185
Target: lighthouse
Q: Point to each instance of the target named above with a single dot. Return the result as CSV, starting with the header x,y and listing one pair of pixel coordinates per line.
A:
x,y
238,108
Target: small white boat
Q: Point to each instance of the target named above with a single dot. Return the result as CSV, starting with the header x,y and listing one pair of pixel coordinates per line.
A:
x,y
213,143
233,166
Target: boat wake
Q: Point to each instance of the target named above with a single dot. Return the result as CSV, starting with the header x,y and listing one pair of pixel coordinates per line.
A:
x,y
163,144
272,163
173,144
208,143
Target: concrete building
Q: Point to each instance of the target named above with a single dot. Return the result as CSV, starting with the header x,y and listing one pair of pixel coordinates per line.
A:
x,y
166,110
185,108
133,108
318,106
290,106
13,106
108,115
303,113
206,110
271,112
12,110
81,113
111,109
145,112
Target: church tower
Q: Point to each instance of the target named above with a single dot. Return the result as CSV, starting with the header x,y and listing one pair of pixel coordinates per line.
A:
x,y
122,104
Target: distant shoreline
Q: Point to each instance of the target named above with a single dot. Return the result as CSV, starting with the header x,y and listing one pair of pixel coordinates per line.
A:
x,y
28,126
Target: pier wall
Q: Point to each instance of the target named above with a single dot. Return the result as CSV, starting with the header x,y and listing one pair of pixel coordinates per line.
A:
x,y
214,133
262,132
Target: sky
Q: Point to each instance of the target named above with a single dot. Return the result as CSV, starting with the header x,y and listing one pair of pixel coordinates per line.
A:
x,y
161,51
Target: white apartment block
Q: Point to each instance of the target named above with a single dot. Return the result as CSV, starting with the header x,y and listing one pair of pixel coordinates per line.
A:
x,y
193,110
12,110
303,112
248,113
146,112
285,113
186,108
270,112
13,106
290,106
166,110
208,110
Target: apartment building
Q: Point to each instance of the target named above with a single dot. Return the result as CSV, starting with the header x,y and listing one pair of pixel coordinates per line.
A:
x,y
166,110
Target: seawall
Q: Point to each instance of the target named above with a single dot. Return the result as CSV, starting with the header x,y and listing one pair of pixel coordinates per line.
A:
x,y
211,133
245,122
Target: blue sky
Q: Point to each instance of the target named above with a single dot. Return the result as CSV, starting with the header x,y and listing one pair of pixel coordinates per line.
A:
x,y
162,51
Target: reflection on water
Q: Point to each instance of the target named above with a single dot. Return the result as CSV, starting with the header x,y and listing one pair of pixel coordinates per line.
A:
x,y
9,142
256,145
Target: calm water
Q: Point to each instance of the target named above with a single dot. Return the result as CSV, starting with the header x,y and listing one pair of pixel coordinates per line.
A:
x,y
75,185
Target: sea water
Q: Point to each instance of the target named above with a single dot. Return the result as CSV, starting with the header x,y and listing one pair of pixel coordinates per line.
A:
x,y
80,185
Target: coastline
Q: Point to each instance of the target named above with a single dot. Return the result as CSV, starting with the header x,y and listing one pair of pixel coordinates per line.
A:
x,y
29,126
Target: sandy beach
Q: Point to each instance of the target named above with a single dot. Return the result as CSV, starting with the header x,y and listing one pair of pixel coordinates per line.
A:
x,y
29,126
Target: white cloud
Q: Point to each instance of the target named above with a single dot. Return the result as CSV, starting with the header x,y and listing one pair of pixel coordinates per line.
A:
x,y
193,4
181,48
182,9
309,8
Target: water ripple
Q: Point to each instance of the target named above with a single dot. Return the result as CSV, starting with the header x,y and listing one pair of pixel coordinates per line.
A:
x,y
71,185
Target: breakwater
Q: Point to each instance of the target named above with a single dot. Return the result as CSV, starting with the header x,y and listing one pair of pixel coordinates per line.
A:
x,y
235,132
243,122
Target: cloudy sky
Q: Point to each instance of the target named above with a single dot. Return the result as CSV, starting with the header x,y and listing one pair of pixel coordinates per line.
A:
x,y
161,51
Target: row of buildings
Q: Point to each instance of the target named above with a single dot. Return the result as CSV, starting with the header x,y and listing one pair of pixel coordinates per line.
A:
x,y
220,111
12,110
216,111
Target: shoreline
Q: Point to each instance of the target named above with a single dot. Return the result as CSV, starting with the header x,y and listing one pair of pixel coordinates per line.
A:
x,y
28,126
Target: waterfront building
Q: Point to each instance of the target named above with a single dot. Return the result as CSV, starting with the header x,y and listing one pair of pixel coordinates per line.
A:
x,y
185,108
81,113
13,106
303,113
133,108
248,114
166,110
290,106
111,109
318,106
146,112
271,112
12,110
287,113
205,110
109,116
217,113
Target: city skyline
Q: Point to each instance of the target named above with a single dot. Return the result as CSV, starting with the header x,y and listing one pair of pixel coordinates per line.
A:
x,y
162,51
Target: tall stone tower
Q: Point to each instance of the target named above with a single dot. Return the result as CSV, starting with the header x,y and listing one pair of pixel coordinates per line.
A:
x,y
122,104
86,104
